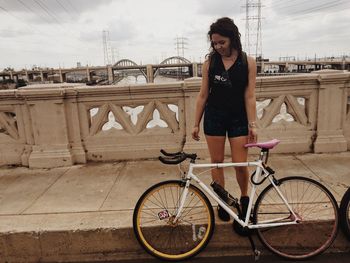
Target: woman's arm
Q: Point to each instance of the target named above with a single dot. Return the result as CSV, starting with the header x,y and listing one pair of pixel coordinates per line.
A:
x,y
250,99
201,100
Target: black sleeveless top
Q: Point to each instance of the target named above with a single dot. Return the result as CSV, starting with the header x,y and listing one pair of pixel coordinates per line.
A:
x,y
227,87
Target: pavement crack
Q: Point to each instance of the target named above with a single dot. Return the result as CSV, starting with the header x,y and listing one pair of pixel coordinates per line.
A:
x,y
307,167
326,183
119,172
44,192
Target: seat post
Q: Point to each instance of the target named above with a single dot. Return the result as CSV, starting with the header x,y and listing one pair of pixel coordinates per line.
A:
x,y
264,155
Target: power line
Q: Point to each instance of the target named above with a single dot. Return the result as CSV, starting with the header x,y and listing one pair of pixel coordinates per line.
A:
x,y
43,7
283,2
282,6
278,2
318,8
64,8
35,29
73,7
300,15
31,29
10,14
48,11
31,10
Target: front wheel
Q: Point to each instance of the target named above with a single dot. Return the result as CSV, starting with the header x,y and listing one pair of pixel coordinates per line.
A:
x,y
158,232
316,213
344,213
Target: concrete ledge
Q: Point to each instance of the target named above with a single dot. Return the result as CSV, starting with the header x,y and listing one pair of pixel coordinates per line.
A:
x,y
113,243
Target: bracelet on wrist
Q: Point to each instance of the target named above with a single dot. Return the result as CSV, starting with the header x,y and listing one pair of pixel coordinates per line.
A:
x,y
252,124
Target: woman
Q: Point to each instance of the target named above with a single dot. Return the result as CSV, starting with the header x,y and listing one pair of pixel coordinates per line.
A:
x,y
227,98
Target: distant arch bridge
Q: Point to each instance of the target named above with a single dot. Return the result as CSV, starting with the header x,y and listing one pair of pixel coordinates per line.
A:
x,y
125,62
175,60
133,68
171,60
129,67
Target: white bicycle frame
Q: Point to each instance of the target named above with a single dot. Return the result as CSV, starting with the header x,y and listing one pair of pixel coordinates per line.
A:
x,y
258,173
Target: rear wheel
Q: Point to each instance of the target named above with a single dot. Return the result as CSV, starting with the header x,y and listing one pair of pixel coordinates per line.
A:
x,y
316,211
159,234
344,213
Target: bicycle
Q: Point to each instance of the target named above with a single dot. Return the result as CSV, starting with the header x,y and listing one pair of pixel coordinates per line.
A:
x,y
344,213
174,220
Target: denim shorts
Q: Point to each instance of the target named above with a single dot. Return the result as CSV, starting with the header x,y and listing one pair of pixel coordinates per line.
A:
x,y
219,123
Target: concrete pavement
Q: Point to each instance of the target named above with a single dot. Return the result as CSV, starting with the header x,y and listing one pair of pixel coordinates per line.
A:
x,y
84,212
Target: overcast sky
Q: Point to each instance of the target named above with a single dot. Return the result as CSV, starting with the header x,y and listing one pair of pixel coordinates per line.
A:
x,y
60,33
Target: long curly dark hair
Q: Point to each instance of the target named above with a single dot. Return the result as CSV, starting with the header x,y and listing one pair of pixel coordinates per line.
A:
x,y
226,27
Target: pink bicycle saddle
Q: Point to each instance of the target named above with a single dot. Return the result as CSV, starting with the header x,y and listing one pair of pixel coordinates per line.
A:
x,y
263,145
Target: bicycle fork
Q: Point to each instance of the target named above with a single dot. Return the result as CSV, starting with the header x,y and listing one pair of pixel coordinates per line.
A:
x,y
182,201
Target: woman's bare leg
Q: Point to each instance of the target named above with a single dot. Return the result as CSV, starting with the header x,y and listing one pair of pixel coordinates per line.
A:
x,y
240,154
216,146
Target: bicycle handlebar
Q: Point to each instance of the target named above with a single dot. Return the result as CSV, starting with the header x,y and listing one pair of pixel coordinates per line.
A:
x,y
176,158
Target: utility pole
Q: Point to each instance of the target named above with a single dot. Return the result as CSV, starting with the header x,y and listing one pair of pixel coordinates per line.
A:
x,y
105,47
180,44
109,52
253,30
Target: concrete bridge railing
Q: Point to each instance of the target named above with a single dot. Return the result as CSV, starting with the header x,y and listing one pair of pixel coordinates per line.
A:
x,y
60,125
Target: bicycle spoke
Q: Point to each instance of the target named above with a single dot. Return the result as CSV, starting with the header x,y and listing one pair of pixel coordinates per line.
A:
x,y
190,209
157,228
310,202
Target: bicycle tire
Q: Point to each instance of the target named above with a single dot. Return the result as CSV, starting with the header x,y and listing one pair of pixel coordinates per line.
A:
x,y
159,235
313,204
344,213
